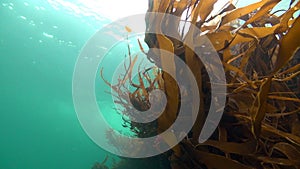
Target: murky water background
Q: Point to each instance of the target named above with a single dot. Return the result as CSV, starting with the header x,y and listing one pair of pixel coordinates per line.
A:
x,y
39,44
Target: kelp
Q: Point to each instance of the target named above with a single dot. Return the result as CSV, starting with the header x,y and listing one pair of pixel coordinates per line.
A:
x,y
101,165
260,127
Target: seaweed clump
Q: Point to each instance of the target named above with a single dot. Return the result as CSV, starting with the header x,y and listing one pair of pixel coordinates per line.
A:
x,y
259,50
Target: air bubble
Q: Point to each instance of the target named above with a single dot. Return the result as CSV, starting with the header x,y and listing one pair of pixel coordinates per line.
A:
x,y
47,35
23,17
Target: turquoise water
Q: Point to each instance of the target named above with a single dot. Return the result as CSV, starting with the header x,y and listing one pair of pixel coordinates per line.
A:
x,y
39,45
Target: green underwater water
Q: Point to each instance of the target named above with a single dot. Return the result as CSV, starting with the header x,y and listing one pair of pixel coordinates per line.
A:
x,y
39,44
